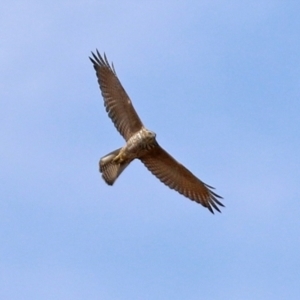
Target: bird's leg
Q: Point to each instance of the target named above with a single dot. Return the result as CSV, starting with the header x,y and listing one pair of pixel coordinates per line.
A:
x,y
120,158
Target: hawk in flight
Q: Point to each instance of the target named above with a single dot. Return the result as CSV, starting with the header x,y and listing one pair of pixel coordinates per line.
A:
x,y
141,143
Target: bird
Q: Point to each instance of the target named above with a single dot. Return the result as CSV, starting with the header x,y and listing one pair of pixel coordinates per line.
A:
x,y
141,143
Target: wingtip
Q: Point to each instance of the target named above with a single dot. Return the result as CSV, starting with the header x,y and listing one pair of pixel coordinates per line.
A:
x,y
210,209
97,59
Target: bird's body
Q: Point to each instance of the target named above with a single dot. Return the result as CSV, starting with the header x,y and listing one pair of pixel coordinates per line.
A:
x,y
137,146
141,143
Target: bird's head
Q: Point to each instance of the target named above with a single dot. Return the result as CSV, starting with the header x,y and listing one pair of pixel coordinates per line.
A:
x,y
150,135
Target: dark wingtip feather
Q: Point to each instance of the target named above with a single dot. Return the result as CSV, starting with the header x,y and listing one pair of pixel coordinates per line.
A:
x,y
210,209
99,61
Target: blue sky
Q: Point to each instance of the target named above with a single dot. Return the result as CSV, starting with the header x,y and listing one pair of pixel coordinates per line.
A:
x,y
218,81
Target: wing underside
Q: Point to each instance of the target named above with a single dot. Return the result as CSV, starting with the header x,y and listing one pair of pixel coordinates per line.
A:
x,y
117,102
177,177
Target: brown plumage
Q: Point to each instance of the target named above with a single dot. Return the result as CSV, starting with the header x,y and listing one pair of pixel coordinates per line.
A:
x,y
141,143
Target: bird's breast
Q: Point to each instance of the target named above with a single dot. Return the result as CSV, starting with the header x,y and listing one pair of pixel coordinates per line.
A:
x,y
140,143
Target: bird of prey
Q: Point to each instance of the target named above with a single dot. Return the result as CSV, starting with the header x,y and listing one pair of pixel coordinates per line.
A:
x,y
141,143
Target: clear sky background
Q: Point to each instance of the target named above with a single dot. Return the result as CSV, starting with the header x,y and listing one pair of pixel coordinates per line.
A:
x,y
218,81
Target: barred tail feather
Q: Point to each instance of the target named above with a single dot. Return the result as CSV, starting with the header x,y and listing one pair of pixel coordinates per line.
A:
x,y
111,170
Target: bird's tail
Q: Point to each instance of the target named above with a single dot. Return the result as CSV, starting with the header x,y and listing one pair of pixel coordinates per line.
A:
x,y
111,170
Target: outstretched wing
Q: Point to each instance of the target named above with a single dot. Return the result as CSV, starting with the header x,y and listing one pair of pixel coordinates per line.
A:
x,y
177,177
117,103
